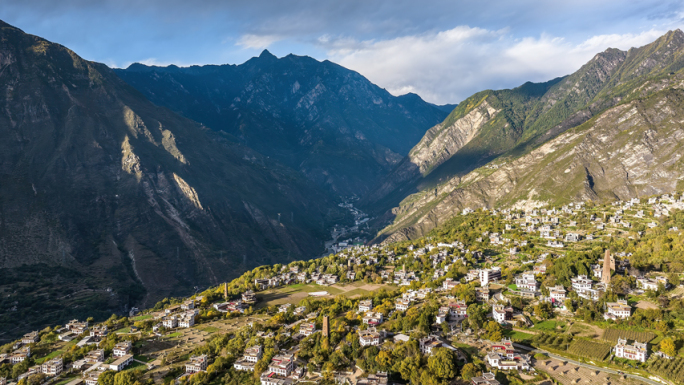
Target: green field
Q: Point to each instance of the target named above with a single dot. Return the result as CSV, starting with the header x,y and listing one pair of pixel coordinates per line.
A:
x,y
518,336
612,335
136,365
672,369
548,325
588,349
209,329
142,317
142,358
49,356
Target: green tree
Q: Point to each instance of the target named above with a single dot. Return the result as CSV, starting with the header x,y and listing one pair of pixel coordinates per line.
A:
x,y
106,378
442,364
494,331
469,371
543,310
569,305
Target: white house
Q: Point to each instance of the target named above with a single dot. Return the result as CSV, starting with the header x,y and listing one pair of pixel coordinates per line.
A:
x,y
637,351
617,310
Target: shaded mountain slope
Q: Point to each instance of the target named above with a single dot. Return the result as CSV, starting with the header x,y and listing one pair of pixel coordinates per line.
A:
x,y
332,124
100,184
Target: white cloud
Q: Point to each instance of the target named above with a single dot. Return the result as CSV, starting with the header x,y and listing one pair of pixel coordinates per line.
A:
x,y
257,41
448,66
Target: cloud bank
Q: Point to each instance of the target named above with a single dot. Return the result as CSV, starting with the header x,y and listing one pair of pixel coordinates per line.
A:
x,y
444,50
448,66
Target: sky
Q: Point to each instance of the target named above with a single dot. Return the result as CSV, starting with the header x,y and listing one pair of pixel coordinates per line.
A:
x,y
443,50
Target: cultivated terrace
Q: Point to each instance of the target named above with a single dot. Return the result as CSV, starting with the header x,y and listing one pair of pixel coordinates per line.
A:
x,y
584,293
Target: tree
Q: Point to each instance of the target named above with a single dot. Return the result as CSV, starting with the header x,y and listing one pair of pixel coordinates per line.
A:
x,y
124,378
469,371
494,331
106,378
543,310
384,359
441,364
667,346
569,305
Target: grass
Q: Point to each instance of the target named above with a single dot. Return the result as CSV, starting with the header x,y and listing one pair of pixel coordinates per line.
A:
x,y
142,317
293,293
354,292
209,329
66,380
513,287
174,335
123,331
547,325
49,356
142,358
135,365
518,336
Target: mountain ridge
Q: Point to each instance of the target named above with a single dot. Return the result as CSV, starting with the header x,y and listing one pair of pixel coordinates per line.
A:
x,y
332,124
611,78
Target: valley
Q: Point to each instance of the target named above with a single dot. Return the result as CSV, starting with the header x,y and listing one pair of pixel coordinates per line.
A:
x,y
286,221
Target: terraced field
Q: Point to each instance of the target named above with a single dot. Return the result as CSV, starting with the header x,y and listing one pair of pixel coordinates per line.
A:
x,y
612,335
588,349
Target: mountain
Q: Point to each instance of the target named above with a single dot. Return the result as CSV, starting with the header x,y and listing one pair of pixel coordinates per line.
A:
x,y
445,107
561,141
330,123
107,200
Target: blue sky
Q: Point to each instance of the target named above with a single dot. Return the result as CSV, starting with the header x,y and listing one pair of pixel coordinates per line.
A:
x,y
441,50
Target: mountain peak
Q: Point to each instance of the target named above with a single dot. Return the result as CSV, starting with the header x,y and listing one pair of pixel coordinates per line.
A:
x,y
265,54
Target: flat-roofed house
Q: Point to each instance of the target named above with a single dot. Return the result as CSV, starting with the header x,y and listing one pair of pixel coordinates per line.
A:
x,y
370,337
197,364
122,349
53,367
366,305
121,363
617,310
282,364
307,328
30,338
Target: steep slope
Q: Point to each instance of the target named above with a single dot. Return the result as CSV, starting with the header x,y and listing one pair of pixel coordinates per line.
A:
x,y
495,127
103,189
332,124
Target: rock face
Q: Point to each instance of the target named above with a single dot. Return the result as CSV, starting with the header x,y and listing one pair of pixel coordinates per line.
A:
x,y
440,142
100,188
330,123
610,130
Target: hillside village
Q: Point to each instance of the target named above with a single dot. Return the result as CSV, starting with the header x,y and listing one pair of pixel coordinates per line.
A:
x,y
579,294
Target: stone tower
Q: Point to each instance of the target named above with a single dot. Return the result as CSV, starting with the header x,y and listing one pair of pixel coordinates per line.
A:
x,y
225,291
605,275
325,326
